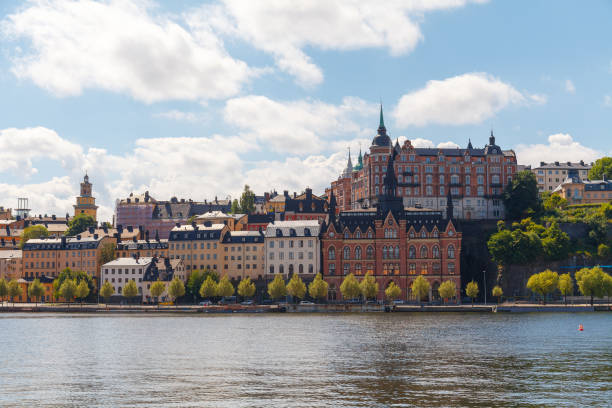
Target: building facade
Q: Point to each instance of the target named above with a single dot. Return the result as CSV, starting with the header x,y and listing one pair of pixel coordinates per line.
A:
x,y
86,202
292,247
122,270
142,248
550,175
581,191
11,264
199,246
243,254
163,270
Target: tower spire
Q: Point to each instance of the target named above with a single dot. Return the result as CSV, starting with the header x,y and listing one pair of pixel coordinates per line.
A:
x,y
382,120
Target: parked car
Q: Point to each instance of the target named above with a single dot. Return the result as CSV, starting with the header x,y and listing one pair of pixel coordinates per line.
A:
x,y
306,302
206,303
229,300
398,302
247,303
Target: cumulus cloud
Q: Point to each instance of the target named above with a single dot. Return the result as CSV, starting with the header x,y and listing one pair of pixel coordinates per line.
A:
x,y
120,46
181,116
284,29
607,101
569,86
420,142
560,147
464,99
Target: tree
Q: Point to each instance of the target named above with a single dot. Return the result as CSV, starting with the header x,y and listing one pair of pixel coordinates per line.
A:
x,y
33,232
555,243
393,291
349,287
225,287
521,195
318,288
497,292
447,290
235,207
602,167
607,286
68,290
553,202
36,290
246,288
472,291
591,282
543,283
3,289
603,251
197,278
130,290
107,290
14,290
77,276
80,223
566,285
247,201
176,289
208,288
296,287
368,286
82,291
277,288
157,288
419,288
107,253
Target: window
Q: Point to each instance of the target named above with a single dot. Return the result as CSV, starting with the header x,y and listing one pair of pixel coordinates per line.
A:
x,y
271,268
357,234
369,252
346,269
358,269
271,244
346,235
331,253
370,234
397,252
412,252
412,269
423,251
358,253
451,268
451,252
332,269
435,251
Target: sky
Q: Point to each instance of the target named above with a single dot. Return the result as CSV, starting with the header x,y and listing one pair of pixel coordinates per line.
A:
x,y
196,99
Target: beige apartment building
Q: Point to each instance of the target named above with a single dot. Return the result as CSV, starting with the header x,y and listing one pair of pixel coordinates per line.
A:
x,y
550,175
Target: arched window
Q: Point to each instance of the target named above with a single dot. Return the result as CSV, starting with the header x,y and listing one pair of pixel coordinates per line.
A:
x,y
301,268
346,253
385,252
358,234
281,269
358,253
346,269
435,251
423,251
331,253
397,252
412,252
346,234
370,252
451,252
370,234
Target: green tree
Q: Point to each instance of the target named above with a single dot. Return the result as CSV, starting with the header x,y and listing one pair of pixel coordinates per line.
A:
x,y
607,286
246,288
521,195
14,290
33,232
349,287
77,276
68,290
591,282
552,202
106,291
602,167
208,288
225,287
566,285
277,288
157,288
543,283
176,289
82,291
296,287
235,207
368,286
420,288
603,251
447,290
555,243
247,201
393,291
318,288
497,292
36,290
80,223
472,291
130,290
197,278
3,289
107,253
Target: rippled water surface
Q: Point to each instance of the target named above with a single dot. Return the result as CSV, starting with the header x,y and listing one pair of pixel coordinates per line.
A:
x,y
348,360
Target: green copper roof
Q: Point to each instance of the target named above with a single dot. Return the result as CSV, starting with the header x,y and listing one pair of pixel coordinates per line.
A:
x,y
382,121
359,164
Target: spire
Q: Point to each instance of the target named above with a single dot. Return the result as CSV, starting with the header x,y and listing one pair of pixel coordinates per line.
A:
x,y
349,166
470,144
491,139
332,207
382,120
359,164
390,181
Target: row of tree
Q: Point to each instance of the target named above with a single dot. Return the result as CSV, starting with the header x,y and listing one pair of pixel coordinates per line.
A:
x,y
592,282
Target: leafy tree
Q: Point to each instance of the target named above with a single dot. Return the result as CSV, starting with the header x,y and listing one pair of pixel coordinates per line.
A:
x,y
107,290
247,201
208,288
106,225
598,228
420,288
107,253
277,288
555,243
33,232
350,288
80,223
197,278
3,289
36,290
225,287
500,247
68,290
130,290
521,195
603,251
246,288
368,286
447,290
176,289
472,291
296,288
82,291
192,219
235,207
14,290
157,288
591,282
77,276
497,292
566,285
552,202
393,291
318,288
607,286
543,283
602,167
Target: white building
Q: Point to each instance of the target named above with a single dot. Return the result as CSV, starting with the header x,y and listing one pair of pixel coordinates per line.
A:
x,y
292,247
120,271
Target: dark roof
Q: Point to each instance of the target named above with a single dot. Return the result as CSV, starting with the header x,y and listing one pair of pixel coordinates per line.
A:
x,y
260,218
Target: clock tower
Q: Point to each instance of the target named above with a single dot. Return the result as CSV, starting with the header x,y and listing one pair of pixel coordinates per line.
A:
x,y
86,203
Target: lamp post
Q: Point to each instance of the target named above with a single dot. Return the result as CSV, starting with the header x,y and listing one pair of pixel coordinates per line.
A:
x,y
484,276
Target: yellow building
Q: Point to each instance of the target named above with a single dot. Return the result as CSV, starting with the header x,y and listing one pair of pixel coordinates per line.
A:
x,y
86,203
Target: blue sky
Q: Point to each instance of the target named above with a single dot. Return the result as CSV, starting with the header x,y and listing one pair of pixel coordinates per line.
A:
x,y
196,99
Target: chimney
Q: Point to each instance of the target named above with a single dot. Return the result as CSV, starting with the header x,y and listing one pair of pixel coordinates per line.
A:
x,y
582,162
120,229
178,224
556,163
63,240
146,197
294,194
105,228
92,230
53,217
95,236
208,223
79,237
130,228
286,193
309,194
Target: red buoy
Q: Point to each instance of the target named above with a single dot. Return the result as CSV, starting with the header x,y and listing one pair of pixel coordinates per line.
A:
x,y
580,328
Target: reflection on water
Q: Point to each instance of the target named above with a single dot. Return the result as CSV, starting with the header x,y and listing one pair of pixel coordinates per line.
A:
x,y
420,359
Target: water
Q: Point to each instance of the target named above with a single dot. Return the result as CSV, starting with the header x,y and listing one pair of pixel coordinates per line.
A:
x,y
344,360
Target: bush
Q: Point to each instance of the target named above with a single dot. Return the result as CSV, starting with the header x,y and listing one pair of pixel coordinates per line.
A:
x,y
603,251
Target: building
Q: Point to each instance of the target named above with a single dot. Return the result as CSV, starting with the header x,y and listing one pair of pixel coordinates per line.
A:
x,y
306,206
11,264
199,246
243,254
476,177
48,257
259,222
391,242
550,175
235,222
9,233
5,213
122,270
86,203
56,226
581,191
142,248
163,270
47,284
292,247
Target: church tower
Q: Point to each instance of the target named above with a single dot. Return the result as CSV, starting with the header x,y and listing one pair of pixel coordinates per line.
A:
x,y
86,203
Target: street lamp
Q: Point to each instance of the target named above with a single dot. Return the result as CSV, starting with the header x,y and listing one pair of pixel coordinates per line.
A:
x,y
484,276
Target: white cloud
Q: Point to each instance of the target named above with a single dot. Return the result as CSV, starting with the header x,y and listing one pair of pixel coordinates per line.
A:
x,y
284,28
607,101
561,147
181,116
569,86
420,142
120,46
465,99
